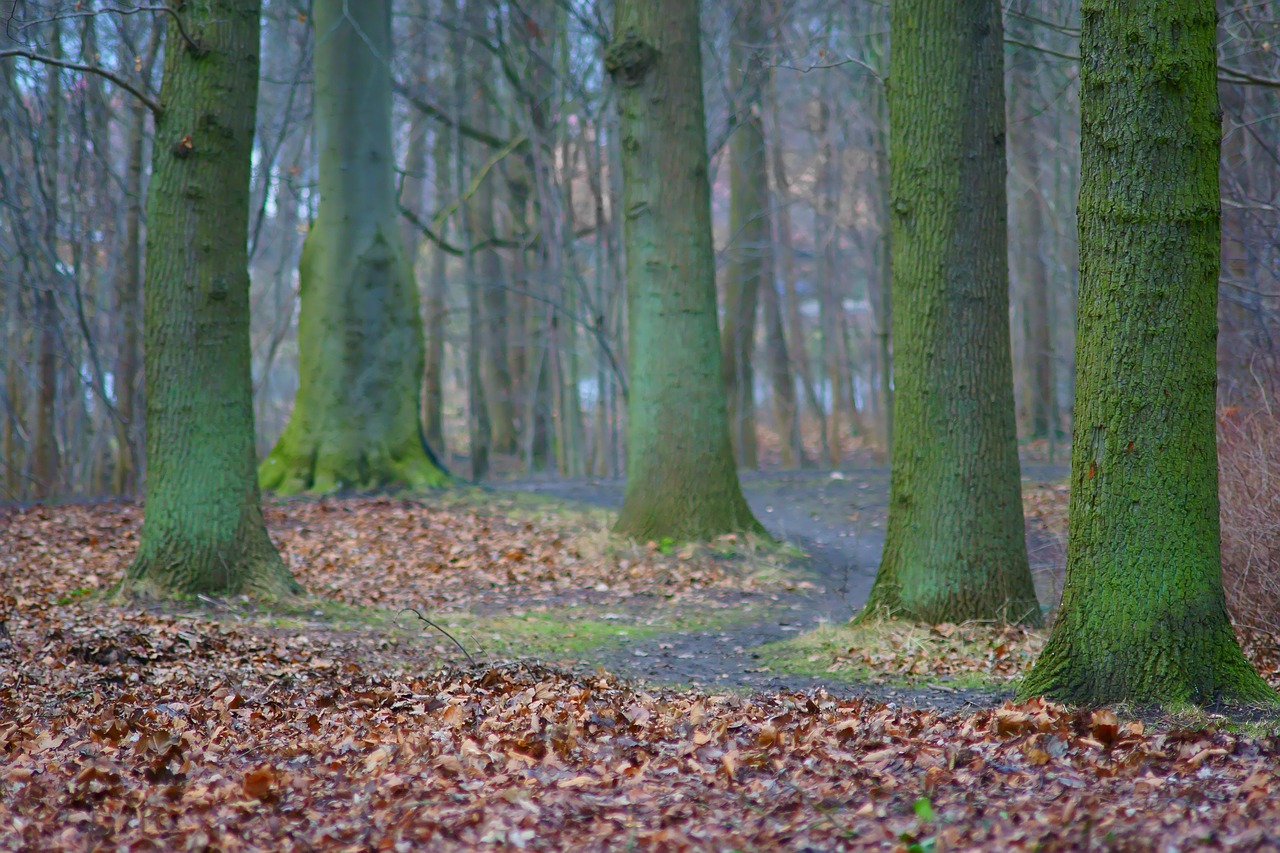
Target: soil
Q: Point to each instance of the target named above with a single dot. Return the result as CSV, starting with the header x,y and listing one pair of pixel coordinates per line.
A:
x,y
838,519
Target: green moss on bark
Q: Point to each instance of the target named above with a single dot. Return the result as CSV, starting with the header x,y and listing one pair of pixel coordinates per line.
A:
x,y
954,547
681,479
355,422
1143,617
203,530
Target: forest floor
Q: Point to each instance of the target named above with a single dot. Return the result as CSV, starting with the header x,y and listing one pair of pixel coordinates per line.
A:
x,y
839,523
611,695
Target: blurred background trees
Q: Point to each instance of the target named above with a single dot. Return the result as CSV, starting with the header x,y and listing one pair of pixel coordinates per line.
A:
x,y
507,157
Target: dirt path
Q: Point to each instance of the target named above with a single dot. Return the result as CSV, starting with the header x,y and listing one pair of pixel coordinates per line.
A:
x,y
838,519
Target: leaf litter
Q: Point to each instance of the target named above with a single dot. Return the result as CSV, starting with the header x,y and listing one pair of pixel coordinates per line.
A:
x,y
127,727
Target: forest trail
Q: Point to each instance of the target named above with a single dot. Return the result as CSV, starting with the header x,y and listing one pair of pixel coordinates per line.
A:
x,y
838,519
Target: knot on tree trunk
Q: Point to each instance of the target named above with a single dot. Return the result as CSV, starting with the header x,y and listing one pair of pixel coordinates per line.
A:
x,y
628,58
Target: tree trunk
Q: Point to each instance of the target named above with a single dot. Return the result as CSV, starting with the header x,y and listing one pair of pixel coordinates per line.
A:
x,y
882,281
437,316
203,530
355,422
1035,312
45,462
1027,261
681,480
490,286
477,410
1143,617
954,547
415,196
128,297
799,349
749,232
826,215
781,383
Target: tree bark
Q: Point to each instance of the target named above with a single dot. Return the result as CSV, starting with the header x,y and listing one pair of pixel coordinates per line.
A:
x,y
1143,617
954,547
681,480
355,422
203,530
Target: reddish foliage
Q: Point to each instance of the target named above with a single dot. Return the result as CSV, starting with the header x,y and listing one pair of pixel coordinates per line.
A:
x,y
409,553
123,728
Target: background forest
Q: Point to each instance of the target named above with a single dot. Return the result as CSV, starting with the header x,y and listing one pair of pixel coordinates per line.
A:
x,y
507,157
646,303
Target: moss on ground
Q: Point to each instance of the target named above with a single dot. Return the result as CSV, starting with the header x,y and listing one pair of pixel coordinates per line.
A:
x,y
580,634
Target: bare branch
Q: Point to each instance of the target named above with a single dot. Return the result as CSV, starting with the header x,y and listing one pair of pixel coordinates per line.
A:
x,y
173,13
1243,78
151,103
427,108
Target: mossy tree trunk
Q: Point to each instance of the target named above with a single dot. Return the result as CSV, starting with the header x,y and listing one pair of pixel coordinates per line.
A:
x,y
203,531
954,546
1143,617
681,480
355,422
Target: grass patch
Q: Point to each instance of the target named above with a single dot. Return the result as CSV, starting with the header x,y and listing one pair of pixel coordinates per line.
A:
x,y
908,654
74,595
550,636
569,634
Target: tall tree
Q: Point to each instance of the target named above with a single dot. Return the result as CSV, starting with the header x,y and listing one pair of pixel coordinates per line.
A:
x,y
128,293
1142,616
1027,258
437,313
750,240
681,480
785,259
203,528
45,455
355,421
414,196
488,287
954,546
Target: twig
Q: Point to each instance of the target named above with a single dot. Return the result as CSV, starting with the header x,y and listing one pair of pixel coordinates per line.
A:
x,y
215,602
151,103
427,621
177,19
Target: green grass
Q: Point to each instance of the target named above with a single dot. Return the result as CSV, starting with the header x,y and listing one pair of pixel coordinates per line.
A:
x,y
74,595
548,635
577,633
